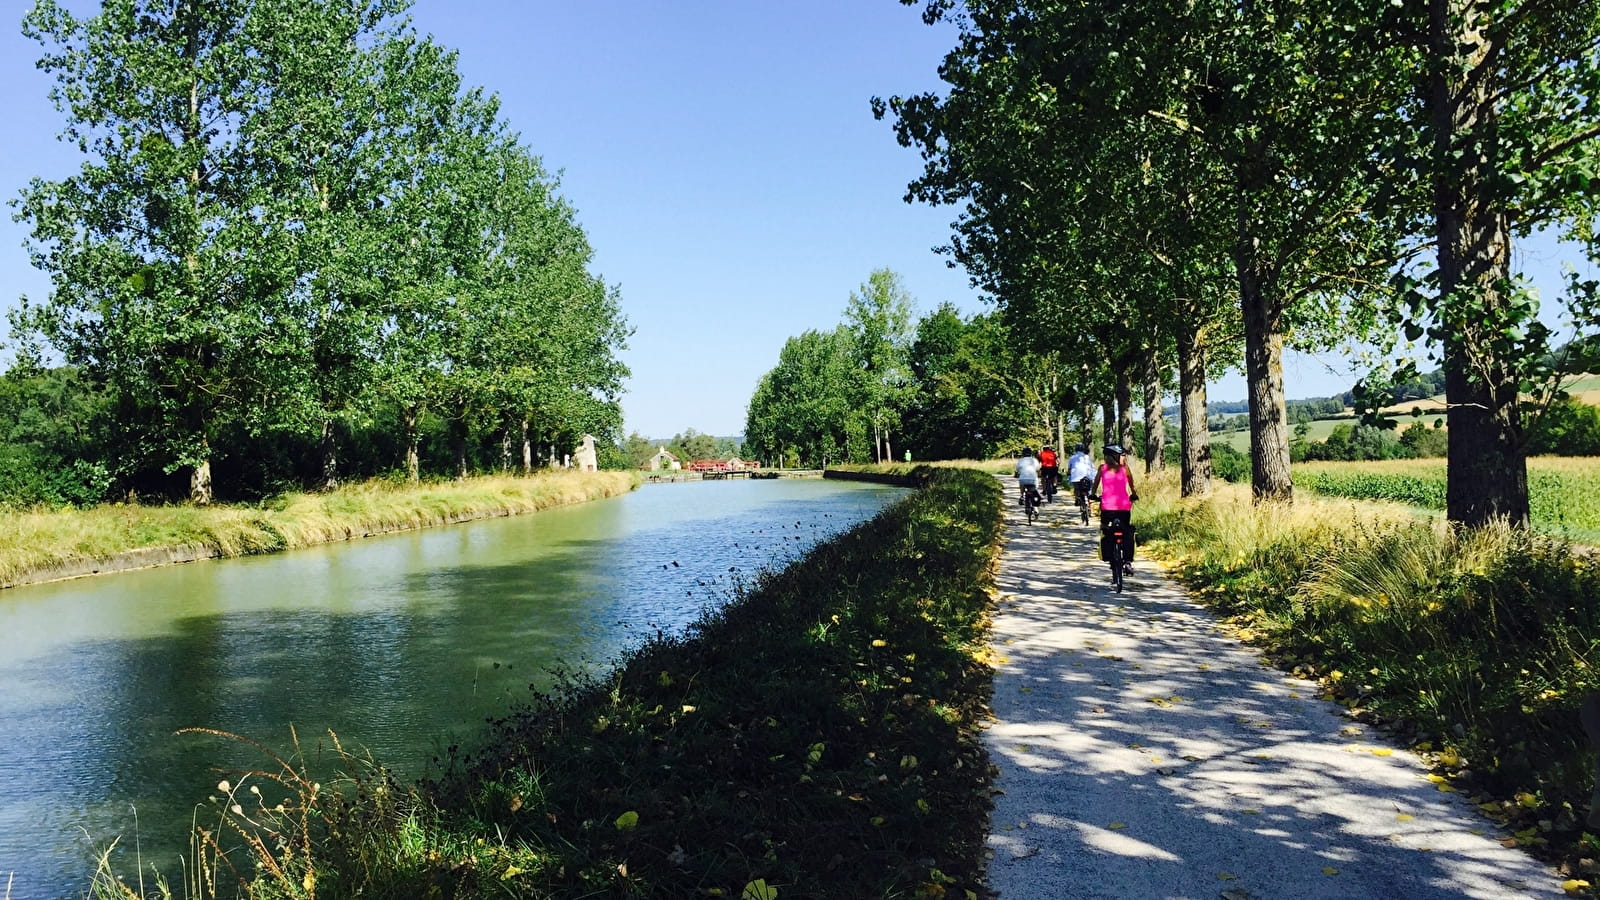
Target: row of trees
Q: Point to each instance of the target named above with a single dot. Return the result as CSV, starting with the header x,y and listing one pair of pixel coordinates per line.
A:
x,y
1161,187
292,220
883,384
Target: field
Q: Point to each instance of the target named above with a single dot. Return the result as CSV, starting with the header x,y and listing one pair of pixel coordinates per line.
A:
x,y
1321,428
1564,491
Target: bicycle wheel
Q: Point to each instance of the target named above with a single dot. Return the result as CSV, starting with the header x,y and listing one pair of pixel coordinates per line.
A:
x,y
1031,504
1083,510
1115,552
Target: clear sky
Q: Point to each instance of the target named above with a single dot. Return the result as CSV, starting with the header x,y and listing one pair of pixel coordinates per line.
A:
x,y
722,157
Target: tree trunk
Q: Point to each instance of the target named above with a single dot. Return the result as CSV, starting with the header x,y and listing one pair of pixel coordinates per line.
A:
x,y
1269,421
1108,425
1125,407
1196,437
1155,424
527,449
413,466
458,442
888,449
1488,468
330,456
505,447
1086,426
200,481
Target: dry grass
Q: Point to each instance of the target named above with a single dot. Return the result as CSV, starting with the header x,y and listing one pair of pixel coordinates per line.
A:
x,y
34,541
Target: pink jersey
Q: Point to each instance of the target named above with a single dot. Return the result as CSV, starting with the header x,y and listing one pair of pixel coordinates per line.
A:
x,y
1114,489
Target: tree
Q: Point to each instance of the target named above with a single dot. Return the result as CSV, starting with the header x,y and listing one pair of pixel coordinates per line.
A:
x,y
1048,127
163,287
1499,140
878,316
807,408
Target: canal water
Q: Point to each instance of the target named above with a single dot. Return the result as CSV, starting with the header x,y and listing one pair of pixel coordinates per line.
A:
x,y
399,645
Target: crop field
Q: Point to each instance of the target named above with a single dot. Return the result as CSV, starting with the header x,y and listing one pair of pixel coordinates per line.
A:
x,y
1564,491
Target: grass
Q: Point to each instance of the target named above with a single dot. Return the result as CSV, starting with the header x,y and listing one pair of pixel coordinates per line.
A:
x,y
1564,491
1475,647
817,735
37,540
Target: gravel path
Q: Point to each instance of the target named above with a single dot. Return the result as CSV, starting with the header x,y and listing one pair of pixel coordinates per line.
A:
x,y
1143,753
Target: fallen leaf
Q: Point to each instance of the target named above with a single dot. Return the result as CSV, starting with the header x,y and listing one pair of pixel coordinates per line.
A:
x,y
1329,870
1405,817
1382,751
1574,885
1117,826
1227,876
759,890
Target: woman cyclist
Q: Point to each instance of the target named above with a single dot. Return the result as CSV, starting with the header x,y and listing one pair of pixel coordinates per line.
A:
x,y
1113,487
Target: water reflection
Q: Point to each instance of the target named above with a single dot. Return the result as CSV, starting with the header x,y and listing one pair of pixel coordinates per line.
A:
x,y
401,644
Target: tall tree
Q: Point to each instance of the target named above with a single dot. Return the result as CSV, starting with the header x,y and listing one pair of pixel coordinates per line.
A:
x,y
879,319
162,285
1047,100
1502,142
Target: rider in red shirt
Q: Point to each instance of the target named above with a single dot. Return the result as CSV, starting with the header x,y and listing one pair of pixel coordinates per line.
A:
x,y
1049,473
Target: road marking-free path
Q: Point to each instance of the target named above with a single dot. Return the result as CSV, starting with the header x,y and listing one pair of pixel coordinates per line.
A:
x,y
1143,753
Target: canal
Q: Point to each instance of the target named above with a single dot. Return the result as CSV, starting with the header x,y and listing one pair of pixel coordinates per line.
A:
x,y
399,646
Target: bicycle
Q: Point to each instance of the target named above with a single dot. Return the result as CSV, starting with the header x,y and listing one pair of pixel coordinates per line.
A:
x,y
1080,493
1049,479
1114,541
1030,502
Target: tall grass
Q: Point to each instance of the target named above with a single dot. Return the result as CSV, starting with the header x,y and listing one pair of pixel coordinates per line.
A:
x,y
34,541
1477,645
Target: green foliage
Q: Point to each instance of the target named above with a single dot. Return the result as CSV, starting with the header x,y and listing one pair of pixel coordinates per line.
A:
x,y
293,236
1228,463
1567,428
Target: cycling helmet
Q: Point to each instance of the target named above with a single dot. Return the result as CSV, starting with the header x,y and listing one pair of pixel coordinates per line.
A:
x,y
1115,450
1082,448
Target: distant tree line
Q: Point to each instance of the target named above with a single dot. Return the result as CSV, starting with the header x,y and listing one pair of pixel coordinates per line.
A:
x,y
297,249
884,384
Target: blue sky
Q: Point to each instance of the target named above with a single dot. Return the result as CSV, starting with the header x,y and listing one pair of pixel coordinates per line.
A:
x,y
721,155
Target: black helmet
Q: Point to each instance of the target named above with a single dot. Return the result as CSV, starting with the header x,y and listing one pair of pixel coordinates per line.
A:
x,y
1083,448
1115,450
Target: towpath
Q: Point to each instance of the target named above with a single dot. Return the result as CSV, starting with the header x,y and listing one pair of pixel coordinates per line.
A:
x,y
1143,753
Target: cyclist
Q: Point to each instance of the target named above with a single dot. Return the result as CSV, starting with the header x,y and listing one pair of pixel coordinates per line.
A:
x,y
1080,471
1113,487
1049,473
1027,474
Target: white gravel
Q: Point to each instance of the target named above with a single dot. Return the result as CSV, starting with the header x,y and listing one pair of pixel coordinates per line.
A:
x,y
1143,753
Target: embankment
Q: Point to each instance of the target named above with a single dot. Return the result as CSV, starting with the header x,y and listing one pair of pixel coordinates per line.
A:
x,y
42,546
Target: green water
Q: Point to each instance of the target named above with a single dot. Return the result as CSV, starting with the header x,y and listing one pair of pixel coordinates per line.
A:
x,y
400,645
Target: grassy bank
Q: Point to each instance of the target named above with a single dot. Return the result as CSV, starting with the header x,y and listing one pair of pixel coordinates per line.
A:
x,y
1475,648
38,541
815,737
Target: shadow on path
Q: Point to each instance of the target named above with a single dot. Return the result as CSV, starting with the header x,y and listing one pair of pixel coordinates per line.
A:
x,y
1143,753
